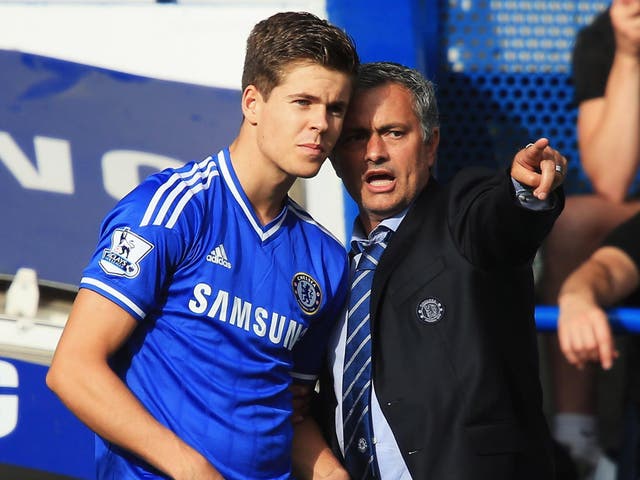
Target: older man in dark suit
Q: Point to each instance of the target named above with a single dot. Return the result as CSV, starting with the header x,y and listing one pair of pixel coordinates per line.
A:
x,y
433,370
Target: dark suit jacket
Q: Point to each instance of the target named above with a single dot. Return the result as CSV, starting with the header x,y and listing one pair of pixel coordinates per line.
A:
x,y
455,363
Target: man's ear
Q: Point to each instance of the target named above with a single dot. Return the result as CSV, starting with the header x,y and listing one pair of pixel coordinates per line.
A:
x,y
251,101
435,139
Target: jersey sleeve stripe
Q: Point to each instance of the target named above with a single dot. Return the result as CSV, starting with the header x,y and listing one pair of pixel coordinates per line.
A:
x,y
178,210
186,180
187,196
156,198
114,293
160,192
166,205
199,175
303,376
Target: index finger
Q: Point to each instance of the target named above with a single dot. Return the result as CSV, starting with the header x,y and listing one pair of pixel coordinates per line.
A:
x,y
604,340
534,150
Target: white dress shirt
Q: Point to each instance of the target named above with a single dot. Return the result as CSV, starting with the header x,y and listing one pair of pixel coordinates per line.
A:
x,y
390,461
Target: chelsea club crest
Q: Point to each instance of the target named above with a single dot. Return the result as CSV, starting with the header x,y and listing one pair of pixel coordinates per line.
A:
x,y
430,310
307,293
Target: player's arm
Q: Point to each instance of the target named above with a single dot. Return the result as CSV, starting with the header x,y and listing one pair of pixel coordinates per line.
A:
x,y
312,457
608,126
80,375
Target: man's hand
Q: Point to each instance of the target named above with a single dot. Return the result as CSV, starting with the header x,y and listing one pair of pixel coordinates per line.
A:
x,y
540,167
584,332
312,459
625,18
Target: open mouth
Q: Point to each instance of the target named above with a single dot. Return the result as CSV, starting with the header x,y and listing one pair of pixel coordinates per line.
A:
x,y
379,179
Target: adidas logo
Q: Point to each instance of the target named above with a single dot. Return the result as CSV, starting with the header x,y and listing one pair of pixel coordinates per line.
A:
x,y
219,256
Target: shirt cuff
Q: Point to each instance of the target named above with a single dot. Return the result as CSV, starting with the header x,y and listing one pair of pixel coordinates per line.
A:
x,y
526,199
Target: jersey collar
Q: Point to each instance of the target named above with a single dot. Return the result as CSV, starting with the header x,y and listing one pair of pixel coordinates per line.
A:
x,y
231,180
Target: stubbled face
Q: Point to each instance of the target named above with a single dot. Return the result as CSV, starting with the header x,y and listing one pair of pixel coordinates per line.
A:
x,y
299,124
381,155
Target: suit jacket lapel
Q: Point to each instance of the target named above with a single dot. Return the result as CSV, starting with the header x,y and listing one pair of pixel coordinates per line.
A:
x,y
401,242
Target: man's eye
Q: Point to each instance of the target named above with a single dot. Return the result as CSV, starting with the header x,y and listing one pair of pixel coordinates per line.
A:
x,y
337,111
353,137
302,101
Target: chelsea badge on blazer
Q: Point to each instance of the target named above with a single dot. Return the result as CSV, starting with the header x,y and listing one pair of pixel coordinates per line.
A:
x,y
430,310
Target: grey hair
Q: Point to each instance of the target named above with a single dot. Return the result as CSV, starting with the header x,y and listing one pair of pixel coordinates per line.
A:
x,y
425,106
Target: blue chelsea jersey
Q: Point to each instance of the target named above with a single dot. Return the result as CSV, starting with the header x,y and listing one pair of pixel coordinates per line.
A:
x,y
229,312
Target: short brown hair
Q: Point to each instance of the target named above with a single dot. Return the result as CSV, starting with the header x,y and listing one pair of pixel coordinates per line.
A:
x,y
289,37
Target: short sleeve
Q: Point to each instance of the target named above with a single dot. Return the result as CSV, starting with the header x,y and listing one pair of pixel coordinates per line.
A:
x,y
134,258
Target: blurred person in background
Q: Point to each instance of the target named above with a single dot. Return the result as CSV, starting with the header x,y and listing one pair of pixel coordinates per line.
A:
x,y
610,275
606,76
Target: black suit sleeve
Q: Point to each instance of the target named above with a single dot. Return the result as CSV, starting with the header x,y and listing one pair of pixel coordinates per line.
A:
x,y
490,226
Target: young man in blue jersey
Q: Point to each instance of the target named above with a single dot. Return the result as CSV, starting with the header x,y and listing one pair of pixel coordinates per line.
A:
x,y
180,354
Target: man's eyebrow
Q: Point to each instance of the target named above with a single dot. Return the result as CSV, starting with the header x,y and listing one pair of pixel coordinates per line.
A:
x,y
338,103
307,96
391,126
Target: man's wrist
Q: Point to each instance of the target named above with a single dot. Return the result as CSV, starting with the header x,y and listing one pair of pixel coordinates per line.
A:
x,y
574,297
526,198
629,59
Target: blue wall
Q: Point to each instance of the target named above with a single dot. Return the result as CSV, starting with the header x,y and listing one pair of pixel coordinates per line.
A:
x,y
93,111
47,436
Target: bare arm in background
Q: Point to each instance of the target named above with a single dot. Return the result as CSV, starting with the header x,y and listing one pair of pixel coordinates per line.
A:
x,y
583,327
609,126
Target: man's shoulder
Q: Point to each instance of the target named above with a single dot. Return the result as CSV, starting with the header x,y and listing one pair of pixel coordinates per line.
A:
x,y
313,228
172,196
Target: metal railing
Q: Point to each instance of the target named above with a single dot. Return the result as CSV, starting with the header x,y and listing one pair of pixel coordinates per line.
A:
x,y
622,319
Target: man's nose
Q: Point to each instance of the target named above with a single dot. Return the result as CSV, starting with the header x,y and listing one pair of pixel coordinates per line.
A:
x,y
319,120
376,149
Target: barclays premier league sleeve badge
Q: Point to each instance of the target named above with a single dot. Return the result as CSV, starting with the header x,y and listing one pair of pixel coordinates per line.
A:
x,y
124,255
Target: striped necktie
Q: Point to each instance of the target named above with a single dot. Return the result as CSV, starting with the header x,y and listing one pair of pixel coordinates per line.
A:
x,y
356,382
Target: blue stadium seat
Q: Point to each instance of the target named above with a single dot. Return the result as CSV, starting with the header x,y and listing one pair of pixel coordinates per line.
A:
x,y
505,79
